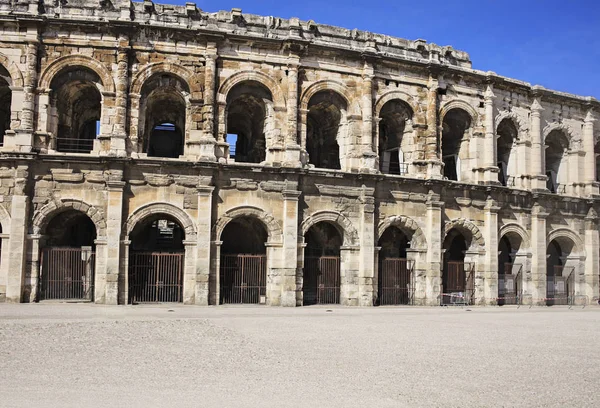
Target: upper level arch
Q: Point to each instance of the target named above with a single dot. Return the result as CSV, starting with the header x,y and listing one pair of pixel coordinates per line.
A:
x,y
459,104
73,62
519,123
562,128
397,95
159,68
16,77
228,84
330,85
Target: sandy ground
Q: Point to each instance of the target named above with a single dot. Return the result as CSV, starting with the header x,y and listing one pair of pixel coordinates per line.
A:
x,y
69,355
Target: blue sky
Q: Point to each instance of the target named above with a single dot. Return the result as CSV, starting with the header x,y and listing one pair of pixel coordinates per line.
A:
x,y
553,43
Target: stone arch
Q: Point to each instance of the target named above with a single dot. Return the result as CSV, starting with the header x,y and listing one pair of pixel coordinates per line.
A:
x,y
4,220
228,84
13,70
330,85
405,224
339,220
462,224
56,66
560,127
273,227
521,124
566,233
42,217
459,104
400,95
161,208
516,229
161,68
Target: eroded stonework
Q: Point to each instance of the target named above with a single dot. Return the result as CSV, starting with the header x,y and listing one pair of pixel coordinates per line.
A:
x,y
131,126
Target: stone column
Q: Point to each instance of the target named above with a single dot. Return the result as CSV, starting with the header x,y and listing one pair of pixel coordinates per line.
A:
x,y
292,147
124,275
434,230
592,186
369,157
208,141
592,260
366,278
203,262
432,140
418,262
537,287
19,222
107,288
119,135
489,152
215,277
290,248
537,169
349,275
490,267
189,270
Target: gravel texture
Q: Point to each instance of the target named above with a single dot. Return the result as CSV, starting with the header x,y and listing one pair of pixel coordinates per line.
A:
x,y
70,355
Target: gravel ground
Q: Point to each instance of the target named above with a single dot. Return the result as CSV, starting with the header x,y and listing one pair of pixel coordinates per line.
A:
x,y
69,355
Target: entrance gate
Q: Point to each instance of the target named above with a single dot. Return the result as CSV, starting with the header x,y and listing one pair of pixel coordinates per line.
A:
x,y
509,286
458,284
321,280
558,287
243,279
396,282
155,277
67,274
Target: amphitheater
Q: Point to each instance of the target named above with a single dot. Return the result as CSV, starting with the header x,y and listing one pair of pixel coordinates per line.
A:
x,y
161,153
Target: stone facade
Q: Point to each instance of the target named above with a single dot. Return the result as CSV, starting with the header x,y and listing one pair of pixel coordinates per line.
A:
x,y
124,111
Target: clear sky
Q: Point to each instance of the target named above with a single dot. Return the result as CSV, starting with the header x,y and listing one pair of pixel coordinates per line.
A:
x,y
553,43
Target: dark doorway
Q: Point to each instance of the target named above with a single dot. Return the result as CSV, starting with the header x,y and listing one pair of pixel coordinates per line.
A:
x,y
395,278
322,265
559,278
324,128
509,273
457,277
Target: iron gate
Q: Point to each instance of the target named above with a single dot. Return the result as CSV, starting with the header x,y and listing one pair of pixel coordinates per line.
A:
x,y
321,280
396,285
558,287
155,277
243,278
509,285
458,283
67,274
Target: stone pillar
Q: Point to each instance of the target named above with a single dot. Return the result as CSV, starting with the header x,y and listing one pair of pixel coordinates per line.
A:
x,y
369,157
5,245
349,275
19,221
434,230
119,135
489,152
376,275
592,186
490,266
537,287
418,262
432,140
203,262
215,277
537,169
207,142
107,288
292,147
592,260
189,271
366,277
290,248
124,275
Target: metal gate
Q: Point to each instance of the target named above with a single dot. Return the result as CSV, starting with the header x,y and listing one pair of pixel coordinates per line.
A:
x,y
558,287
243,279
67,274
396,282
321,280
458,284
509,285
155,277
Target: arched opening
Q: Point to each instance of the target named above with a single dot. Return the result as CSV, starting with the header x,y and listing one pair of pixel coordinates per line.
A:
x,y
557,145
322,264
458,279
560,276
249,121
455,143
507,134
243,270
510,269
5,102
163,110
325,127
393,145
395,278
68,257
78,103
156,261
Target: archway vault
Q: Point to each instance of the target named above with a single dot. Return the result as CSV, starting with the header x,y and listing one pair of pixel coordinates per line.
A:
x,y
274,230
167,209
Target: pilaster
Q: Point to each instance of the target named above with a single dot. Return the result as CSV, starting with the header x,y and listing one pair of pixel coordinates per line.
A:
x,y
491,267
432,138
119,134
290,248
367,239
592,259
537,167
107,280
203,263
434,248
591,185
16,289
490,168
369,157
537,287
207,140
292,148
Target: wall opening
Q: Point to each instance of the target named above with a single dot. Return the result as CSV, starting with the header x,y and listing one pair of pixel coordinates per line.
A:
x,y
78,104
243,270
326,127
507,135
510,269
5,102
156,261
250,118
322,257
560,276
557,145
457,276
393,145
455,143
395,278
68,257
